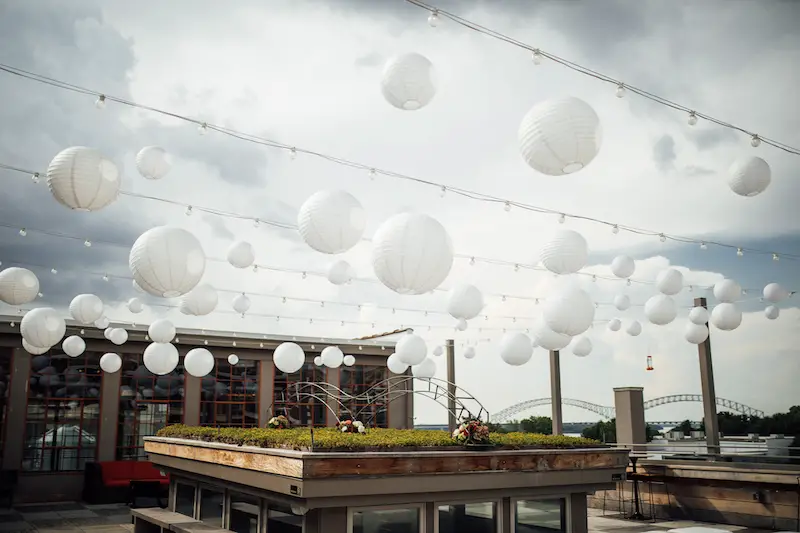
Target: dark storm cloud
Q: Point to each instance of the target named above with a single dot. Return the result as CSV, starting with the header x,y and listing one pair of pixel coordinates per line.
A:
x,y
664,153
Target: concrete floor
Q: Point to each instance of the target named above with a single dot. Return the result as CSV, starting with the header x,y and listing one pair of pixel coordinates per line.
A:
x,y
600,524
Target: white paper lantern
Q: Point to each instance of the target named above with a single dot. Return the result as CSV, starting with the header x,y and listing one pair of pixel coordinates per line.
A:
x,y
560,136
241,254
425,370
289,357
464,301
411,349
570,312
331,222
161,331
727,291
82,179
160,358
775,293
136,286
408,82
614,324
86,308
318,360
35,350
18,286
622,302
118,336
395,365
695,333
200,301
332,357
438,351
198,362
698,315
349,360
101,323
623,266
634,329
726,317
42,327
167,261
660,309
582,347
772,312
340,273
73,346
469,352
107,332
749,176
515,349
152,162
135,306
110,363
549,339
241,303
461,324
411,253
233,359
566,253
669,281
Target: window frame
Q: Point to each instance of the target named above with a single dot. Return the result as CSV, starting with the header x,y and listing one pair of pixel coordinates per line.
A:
x,y
260,522
565,509
243,403
420,506
497,503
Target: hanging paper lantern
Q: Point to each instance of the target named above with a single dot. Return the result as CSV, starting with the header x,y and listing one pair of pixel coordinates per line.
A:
x,y
86,308
340,272
349,360
289,357
135,306
233,359
331,222
634,329
34,350
464,301
698,315
622,302
118,336
136,286
395,365
623,266
582,347
82,179
152,163
425,370
660,309
42,327
566,253
411,349
695,333
408,82
200,301
749,176
560,136
515,349
549,339
775,293
107,333
332,357
614,324
241,303
669,281
726,316
73,346
412,253
167,261
18,286
318,360
727,291
772,312
160,358
570,312
438,351
161,331
101,323
198,362
469,352
241,254
461,324
110,363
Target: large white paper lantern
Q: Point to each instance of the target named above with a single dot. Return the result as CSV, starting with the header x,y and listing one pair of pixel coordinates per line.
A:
x,y
200,301
241,254
82,179
289,357
110,363
73,346
549,339
331,221
695,333
332,357
198,362
582,346
241,303
412,253
408,82
727,291
34,350
660,309
349,360
102,322
167,261
749,176
570,312
135,306
152,162
160,358
86,308
698,315
566,253
772,312
411,349
395,365
726,316
464,301
614,324
18,286
560,136
469,352
425,370
161,331
233,359
622,302
515,349
623,266
118,336
669,281
340,272
634,329
775,293
42,327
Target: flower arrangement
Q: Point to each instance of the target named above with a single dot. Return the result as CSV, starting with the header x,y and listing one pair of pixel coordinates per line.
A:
x,y
350,426
278,422
472,431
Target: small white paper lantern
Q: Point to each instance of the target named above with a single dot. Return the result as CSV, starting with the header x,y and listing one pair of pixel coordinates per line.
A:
x,y
749,176
461,324
623,266
660,309
152,162
233,359
241,303
614,324
464,301
35,350
160,358
515,349
408,82
560,136
161,331
118,336
669,281
425,370
349,360
469,352
566,253
726,317
395,365
340,272
727,291
82,179
318,360
18,286
198,362
772,312
73,346
200,301
86,308
102,322
774,293
622,302
289,357
412,253
582,347
135,306
331,222
695,333
241,254
167,261
570,312
549,339
42,327
107,332
634,329
110,363
438,351
411,349
332,357
698,315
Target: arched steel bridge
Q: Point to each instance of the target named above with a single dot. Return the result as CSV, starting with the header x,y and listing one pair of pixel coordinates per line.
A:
x,y
608,412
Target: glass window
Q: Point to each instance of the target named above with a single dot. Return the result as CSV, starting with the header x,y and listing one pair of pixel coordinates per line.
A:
x,y
244,513
147,403
229,396
472,517
211,506
540,516
6,359
62,419
294,402
281,518
367,382
184,499
394,520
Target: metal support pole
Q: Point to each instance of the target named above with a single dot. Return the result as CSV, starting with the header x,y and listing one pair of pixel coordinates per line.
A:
x,y
707,387
452,423
555,392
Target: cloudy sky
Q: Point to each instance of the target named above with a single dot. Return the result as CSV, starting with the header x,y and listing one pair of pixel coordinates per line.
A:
x,y
307,73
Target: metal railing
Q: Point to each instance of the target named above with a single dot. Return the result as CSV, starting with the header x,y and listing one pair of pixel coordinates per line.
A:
x,y
736,451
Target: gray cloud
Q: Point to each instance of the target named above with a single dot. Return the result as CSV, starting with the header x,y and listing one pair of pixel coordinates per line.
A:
x,y
694,170
218,227
369,60
708,138
664,153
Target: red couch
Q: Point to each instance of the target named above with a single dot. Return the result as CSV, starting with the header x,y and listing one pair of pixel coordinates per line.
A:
x,y
110,481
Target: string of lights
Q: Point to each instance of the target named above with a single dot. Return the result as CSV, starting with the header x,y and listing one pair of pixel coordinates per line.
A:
x,y
205,127
622,88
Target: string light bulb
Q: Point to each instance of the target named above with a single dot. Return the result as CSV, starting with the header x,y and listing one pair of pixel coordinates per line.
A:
x,y
40,295
189,211
443,191
202,129
256,222
87,243
35,177
628,282
692,118
507,206
255,268
620,90
662,237
755,142
775,257
516,267
562,218
105,277
372,174
293,153
205,342
283,300
433,18
53,271
100,103
615,229
536,56
739,252
13,324
304,275
23,232
703,246
471,261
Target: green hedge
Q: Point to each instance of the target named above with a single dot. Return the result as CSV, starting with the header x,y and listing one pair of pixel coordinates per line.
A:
x,y
384,439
